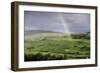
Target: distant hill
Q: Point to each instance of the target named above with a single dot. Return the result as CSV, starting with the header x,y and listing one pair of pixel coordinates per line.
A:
x,y
38,32
33,34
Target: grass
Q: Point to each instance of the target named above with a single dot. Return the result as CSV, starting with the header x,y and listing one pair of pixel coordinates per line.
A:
x,y
56,48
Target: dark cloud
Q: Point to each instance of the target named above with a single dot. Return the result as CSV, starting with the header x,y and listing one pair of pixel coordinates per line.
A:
x,y
51,21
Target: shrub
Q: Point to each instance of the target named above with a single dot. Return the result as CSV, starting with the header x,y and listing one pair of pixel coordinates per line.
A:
x,y
80,36
43,56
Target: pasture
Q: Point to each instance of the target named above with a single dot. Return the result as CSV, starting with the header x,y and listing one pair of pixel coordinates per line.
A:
x,y
56,47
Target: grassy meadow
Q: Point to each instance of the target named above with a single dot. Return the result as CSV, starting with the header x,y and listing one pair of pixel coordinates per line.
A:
x,y
56,46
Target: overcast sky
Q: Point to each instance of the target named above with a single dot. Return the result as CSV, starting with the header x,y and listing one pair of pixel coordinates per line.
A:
x,y
57,22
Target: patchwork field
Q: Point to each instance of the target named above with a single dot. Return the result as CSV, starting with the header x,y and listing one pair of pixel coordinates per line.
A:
x,y
56,46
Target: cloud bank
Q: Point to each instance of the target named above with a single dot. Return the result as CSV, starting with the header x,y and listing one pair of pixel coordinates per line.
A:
x,y
51,21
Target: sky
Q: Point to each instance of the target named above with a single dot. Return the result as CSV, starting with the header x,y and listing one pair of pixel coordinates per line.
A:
x,y
56,21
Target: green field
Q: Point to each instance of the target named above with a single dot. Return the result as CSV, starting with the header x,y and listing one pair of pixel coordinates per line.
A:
x,y
57,48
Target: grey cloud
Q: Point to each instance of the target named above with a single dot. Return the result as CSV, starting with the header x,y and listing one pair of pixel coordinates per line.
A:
x,y
76,22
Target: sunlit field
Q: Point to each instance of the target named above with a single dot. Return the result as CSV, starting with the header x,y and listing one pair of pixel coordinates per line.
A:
x,y
56,46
